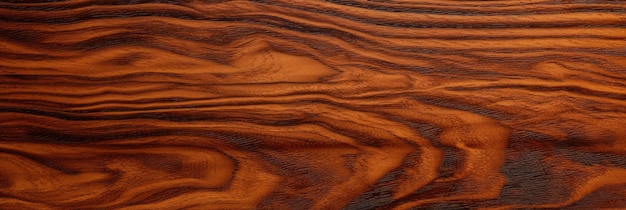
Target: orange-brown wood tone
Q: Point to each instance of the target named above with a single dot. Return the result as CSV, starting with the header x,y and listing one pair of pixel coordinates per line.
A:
x,y
310,104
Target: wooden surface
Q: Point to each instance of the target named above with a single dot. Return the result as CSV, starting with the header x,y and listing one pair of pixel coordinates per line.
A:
x,y
306,104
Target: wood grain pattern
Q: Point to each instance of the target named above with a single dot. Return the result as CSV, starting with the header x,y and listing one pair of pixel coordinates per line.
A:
x,y
294,104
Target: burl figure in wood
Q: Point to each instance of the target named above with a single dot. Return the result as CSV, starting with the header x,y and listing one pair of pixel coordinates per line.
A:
x,y
310,104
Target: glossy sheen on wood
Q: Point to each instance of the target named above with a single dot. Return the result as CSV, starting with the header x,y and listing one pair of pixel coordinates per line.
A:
x,y
294,104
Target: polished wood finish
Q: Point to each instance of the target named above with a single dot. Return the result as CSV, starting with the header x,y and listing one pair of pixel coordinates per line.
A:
x,y
294,104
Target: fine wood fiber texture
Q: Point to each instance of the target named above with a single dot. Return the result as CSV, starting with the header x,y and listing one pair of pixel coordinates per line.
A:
x,y
309,104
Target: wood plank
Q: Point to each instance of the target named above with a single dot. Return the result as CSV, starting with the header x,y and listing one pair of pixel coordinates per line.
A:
x,y
294,104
